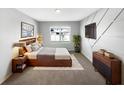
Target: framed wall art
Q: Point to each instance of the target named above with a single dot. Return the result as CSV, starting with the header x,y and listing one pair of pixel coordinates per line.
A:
x,y
27,30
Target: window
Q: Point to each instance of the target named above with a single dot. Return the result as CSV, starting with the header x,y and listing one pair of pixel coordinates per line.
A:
x,y
60,33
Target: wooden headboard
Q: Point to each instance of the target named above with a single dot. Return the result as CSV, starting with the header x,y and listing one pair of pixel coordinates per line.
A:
x,y
28,41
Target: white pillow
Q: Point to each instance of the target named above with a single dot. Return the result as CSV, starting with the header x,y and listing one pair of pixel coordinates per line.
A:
x,y
35,46
28,48
40,45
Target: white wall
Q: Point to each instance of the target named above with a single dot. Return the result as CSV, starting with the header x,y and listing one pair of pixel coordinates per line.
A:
x,y
112,40
44,29
10,32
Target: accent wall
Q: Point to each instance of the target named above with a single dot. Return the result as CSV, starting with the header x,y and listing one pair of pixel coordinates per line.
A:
x,y
110,33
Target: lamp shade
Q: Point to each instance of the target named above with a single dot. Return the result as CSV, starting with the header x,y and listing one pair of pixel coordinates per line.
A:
x,y
20,45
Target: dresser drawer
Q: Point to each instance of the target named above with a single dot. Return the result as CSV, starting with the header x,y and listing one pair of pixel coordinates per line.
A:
x,y
109,68
103,69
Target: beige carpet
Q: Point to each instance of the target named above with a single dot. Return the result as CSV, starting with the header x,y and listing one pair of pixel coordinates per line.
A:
x,y
75,66
58,77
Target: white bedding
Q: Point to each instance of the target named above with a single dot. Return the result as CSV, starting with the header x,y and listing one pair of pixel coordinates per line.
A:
x,y
60,54
32,55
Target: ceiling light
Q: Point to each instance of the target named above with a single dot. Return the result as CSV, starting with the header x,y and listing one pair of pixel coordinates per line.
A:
x,y
57,10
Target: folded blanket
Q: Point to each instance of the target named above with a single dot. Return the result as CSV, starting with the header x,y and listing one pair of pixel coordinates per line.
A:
x,y
62,54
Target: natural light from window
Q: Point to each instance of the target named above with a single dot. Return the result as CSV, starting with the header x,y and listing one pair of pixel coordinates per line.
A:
x,y
60,33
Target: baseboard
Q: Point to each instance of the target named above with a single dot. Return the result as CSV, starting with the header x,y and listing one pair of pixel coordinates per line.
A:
x,y
5,78
85,57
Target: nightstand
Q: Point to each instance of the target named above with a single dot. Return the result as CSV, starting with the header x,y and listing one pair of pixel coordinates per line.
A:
x,y
19,64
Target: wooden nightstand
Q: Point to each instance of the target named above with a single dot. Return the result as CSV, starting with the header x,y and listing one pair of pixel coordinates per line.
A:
x,y
19,64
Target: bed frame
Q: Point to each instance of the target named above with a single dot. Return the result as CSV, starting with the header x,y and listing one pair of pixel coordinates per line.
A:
x,y
46,61
28,41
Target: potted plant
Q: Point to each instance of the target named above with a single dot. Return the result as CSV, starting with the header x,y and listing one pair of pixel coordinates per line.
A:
x,y
76,42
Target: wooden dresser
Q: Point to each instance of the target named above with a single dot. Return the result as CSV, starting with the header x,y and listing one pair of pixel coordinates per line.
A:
x,y
109,68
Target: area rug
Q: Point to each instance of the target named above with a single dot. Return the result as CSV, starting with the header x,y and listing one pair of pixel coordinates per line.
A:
x,y
75,66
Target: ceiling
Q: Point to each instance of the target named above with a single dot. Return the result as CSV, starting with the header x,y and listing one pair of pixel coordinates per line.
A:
x,y
49,14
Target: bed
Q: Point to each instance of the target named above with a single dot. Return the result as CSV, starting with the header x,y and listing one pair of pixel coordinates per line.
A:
x,y
48,57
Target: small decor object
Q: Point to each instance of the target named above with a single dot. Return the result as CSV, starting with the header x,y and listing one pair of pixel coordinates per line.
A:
x,y
110,55
106,53
102,51
27,30
76,41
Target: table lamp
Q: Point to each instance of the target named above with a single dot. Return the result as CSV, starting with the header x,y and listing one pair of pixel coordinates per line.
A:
x,y
20,45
